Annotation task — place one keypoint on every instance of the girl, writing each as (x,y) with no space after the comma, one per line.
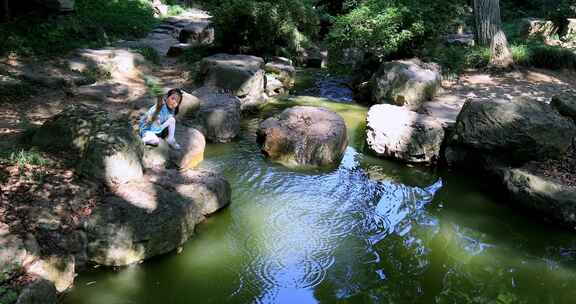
(161,117)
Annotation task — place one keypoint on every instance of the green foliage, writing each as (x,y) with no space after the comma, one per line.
(266,27)
(390,28)
(154,87)
(149,54)
(455,59)
(175,10)
(544,56)
(94,23)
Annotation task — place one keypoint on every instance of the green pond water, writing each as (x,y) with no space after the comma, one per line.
(368,231)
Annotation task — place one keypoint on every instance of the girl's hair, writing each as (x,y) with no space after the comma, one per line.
(162,98)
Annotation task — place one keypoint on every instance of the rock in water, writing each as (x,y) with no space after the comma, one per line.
(217,116)
(513,132)
(240,75)
(273,86)
(304,136)
(283,70)
(396,132)
(148,218)
(188,157)
(102,145)
(406,83)
(550,199)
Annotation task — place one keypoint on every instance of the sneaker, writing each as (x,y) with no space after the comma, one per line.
(174,145)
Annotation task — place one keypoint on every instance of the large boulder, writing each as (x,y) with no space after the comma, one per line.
(38,292)
(304,135)
(283,70)
(147,218)
(189,156)
(514,132)
(102,145)
(239,75)
(548,198)
(565,104)
(217,115)
(197,33)
(406,83)
(396,132)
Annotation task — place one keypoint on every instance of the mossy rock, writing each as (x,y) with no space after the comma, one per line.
(102,145)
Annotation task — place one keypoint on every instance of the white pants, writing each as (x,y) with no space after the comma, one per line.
(151,138)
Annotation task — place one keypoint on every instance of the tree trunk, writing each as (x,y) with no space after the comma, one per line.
(487,20)
(489,32)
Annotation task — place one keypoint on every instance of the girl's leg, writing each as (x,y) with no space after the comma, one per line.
(170,123)
(150,138)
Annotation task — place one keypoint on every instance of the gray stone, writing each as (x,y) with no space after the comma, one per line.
(197,33)
(148,218)
(178,49)
(217,116)
(274,86)
(398,133)
(406,83)
(38,292)
(303,135)
(514,132)
(549,198)
(565,104)
(283,70)
(56,269)
(103,146)
(464,39)
(240,75)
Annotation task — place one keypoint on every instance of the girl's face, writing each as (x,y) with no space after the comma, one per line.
(172,101)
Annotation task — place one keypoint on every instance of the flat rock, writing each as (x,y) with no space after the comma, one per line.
(545,196)
(147,218)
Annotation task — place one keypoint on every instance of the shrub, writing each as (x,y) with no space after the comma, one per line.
(267,27)
(94,23)
(392,28)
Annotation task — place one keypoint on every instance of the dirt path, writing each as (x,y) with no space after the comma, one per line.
(533,83)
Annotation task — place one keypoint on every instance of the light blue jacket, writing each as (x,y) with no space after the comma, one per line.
(155,126)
